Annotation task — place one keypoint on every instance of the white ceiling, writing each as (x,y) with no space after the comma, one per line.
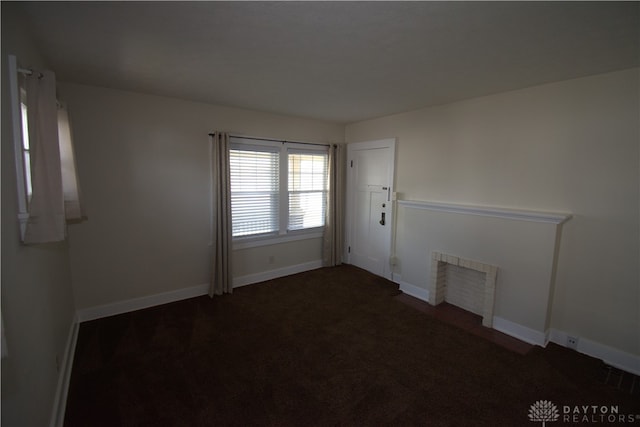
(335,61)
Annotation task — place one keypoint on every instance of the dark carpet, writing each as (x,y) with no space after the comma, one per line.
(327,347)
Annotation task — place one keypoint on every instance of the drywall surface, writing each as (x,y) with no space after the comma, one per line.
(570,146)
(37,300)
(143,164)
(252,261)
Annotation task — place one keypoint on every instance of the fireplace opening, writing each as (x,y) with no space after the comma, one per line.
(465,283)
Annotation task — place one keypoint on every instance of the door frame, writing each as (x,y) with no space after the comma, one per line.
(349,209)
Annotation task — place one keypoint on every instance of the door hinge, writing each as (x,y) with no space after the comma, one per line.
(349,249)
(351,163)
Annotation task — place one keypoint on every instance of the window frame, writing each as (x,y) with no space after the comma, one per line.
(282,235)
(26,145)
(18,144)
(264,149)
(306,151)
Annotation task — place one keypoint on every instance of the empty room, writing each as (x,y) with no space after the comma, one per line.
(320,213)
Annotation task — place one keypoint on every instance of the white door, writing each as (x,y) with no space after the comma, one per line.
(369,205)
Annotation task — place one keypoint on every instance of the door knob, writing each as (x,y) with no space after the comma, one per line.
(382,221)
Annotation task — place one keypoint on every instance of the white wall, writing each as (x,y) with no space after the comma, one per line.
(570,146)
(37,300)
(143,164)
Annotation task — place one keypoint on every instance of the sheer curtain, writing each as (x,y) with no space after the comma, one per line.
(70,186)
(46,221)
(334,231)
(51,166)
(221,278)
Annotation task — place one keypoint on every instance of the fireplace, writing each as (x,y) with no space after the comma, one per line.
(522,244)
(468,284)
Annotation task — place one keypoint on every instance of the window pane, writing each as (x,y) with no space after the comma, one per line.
(254,192)
(27,173)
(306,210)
(307,190)
(26,155)
(307,172)
(25,126)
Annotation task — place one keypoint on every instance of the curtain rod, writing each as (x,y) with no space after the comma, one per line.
(284,141)
(28,72)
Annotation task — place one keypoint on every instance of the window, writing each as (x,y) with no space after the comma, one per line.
(26,152)
(22,149)
(255,191)
(49,204)
(307,190)
(276,187)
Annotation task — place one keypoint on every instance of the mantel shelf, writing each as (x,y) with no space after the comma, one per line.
(490,211)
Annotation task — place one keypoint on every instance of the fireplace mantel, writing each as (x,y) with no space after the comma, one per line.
(522,243)
(491,211)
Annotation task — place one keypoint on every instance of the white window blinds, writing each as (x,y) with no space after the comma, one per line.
(307,182)
(254,190)
(277,187)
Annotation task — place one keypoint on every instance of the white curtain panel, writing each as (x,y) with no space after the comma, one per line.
(46,221)
(334,220)
(70,186)
(221,278)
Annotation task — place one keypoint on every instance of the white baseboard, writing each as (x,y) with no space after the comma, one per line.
(614,357)
(120,307)
(611,356)
(505,326)
(516,330)
(274,274)
(64,377)
(409,289)
(617,358)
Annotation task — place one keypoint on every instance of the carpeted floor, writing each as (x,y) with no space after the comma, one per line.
(327,347)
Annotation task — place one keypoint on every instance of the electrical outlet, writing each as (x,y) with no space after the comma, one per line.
(572,342)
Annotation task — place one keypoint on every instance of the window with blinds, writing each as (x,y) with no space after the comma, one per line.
(255,191)
(307,189)
(276,187)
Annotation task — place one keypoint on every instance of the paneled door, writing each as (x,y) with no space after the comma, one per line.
(370,174)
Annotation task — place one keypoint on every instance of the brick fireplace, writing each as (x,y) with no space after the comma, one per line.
(468,284)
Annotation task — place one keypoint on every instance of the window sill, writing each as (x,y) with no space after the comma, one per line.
(23,217)
(274,240)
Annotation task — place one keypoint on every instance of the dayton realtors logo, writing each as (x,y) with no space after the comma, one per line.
(545,411)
